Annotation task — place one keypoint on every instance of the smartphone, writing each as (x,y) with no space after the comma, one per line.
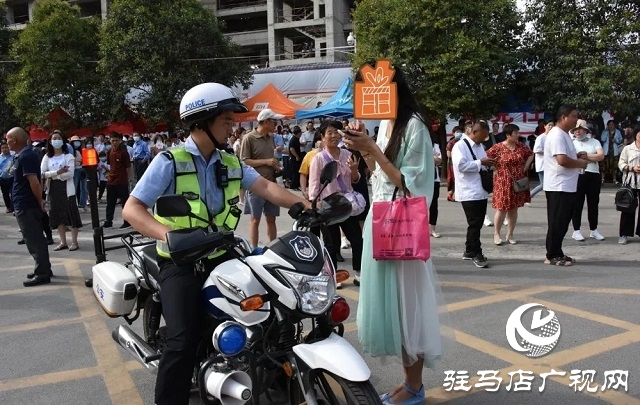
(348,132)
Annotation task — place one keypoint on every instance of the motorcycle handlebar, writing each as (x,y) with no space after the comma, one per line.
(189,245)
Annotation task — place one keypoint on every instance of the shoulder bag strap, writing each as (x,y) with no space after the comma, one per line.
(329,159)
(473,155)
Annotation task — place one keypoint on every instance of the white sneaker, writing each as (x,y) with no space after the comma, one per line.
(623,240)
(487,221)
(345,243)
(577,235)
(506,222)
(596,235)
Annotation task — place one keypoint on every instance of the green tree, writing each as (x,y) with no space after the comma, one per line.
(586,53)
(158,50)
(459,54)
(56,54)
(8,118)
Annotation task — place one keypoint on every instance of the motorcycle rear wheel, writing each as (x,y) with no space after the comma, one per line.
(333,390)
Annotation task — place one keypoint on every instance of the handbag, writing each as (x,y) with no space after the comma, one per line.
(521,185)
(400,228)
(486,176)
(625,198)
(358,203)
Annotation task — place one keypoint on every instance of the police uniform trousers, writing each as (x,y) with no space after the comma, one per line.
(183,310)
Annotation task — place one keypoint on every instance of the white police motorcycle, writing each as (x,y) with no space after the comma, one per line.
(254,343)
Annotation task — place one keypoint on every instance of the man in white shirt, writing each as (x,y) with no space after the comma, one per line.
(538,149)
(306,140)
(562,167)
(469,157)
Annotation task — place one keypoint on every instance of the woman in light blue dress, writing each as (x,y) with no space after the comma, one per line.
(398,311)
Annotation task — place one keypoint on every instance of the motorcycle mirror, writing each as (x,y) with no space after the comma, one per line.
(173,205)
(329,172)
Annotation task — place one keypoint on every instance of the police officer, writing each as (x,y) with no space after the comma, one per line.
(203,170)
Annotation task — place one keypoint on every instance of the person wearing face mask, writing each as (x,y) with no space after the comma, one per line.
(202,168)
(457,135)
(57,168)
(589,181)
(79,176)
(141,155)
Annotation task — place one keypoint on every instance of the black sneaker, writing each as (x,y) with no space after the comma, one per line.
(480,261)
(125,225)
(107,225)
(22,241)
(468,256)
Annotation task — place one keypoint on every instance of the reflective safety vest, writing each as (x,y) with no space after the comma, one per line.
(186,184)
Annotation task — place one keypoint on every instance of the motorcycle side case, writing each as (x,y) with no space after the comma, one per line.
(115,287)
(227,285)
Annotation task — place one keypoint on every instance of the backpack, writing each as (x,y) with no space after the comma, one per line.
(625,199)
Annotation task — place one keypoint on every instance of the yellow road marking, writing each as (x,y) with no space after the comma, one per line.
(50,378)
(495,298)
(39,325)
(50,287)
(25,267)
(606,320)
(120,385)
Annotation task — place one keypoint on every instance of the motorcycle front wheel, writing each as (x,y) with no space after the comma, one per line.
(333,390)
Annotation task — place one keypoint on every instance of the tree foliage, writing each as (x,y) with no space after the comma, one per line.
(460,55)
(586,53)
(8,118)
(56,54)
(161,49)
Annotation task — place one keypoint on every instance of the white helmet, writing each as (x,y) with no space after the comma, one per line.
(207,100)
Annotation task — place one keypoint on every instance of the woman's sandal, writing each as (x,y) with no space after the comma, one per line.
(416,399)
(74,246)
(60,247)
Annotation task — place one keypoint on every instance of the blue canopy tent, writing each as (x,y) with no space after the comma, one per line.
(339,106)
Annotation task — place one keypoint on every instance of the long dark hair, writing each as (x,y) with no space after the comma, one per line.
(64,149)
(408,106)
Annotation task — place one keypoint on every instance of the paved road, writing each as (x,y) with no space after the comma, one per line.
(57,348)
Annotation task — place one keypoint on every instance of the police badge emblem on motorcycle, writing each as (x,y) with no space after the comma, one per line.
(303,248)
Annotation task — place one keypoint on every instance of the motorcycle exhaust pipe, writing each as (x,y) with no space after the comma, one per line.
(135,345)
(232,388)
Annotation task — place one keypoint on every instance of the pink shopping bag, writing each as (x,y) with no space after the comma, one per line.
(401,228)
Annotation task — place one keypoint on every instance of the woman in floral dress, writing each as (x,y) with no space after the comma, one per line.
(399,313)
(513,161)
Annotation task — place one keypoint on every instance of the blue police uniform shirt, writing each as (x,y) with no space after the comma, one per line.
(26,162)
(158,179)
(141,150)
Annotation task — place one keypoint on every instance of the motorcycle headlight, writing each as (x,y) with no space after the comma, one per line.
(315,293)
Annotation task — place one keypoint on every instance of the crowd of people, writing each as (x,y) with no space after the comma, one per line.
(571,162)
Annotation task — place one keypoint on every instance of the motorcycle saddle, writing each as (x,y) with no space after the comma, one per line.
(150,256)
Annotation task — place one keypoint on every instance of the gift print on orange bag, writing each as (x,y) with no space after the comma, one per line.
(376,96)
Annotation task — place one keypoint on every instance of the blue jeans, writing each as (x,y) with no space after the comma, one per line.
(539,186)
(80,182)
